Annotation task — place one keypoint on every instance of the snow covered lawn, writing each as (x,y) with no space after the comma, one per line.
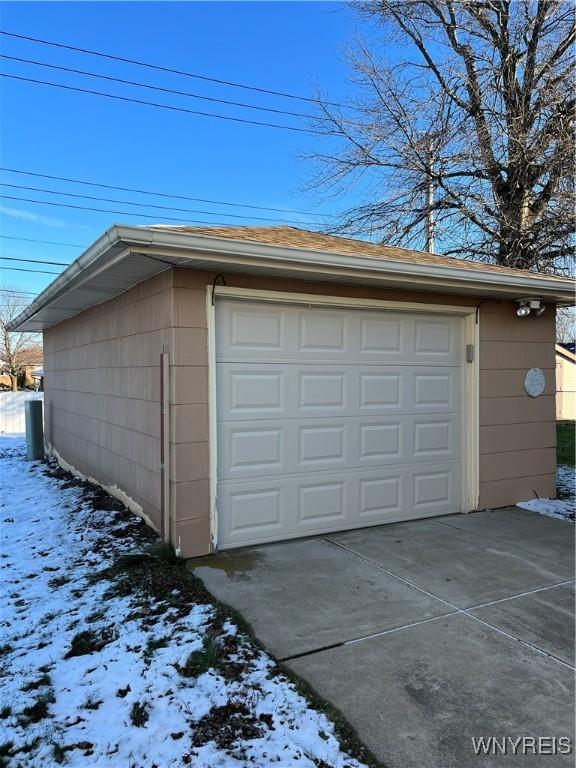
(121,660)
(564,506)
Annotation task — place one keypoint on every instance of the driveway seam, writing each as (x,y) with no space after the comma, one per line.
(366,637)
(520,594)
(519,640)
(391,573)
(451,605)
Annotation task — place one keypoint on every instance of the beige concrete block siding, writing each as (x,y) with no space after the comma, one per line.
(106,422)
(102,410)
(517,432)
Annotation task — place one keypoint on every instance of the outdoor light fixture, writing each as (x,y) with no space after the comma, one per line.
(525,306)
(523,310)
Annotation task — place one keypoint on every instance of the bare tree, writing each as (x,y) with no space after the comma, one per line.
(469,138)
(565,325)
(17,350)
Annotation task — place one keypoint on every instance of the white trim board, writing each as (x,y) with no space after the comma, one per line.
(212,420)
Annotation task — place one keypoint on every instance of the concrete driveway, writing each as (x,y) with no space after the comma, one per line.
(423,634)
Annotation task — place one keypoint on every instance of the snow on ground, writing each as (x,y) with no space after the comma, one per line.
(97,671)
(564,506)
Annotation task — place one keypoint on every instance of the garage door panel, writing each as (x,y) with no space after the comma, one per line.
(380,497)
(435,338)
(255,450)
(245,331)
(381,441)
(287,447)
(263,390)
(252,514)
(382,336)
(253,392)
(435,489)
(321,391)
(305,505)
(331,419)
(321,502)
(296,333)
(323,332)
(434,389)
(322,444)
(383,390)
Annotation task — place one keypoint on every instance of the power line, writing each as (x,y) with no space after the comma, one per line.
(173,91)
(161,194)
(142,205)
(34,271)
(18,293)
(107,210)
(37,261)
(44,242)
(165,106)
(172,70)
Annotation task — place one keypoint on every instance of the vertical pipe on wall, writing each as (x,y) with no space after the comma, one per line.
(165,444)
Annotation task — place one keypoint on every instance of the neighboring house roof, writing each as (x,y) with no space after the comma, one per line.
(565,353)
(125,255)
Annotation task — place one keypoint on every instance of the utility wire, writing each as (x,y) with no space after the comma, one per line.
(161,68)
(37,261)
(165,106)
(137,84)
(18,293)
(107,210)
(143,205)
(44,242)
(34,271)
(161,194)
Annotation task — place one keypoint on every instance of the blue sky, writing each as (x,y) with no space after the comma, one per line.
(281,46)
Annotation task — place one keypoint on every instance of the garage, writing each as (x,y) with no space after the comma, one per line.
(332,418)
(243,385)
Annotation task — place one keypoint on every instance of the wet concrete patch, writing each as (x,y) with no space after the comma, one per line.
(237,564)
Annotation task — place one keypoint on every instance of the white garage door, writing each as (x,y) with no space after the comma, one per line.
(334,418)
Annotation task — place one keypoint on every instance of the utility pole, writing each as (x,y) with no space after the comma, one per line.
(430,223)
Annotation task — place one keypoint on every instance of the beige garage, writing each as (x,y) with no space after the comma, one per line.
(235,385)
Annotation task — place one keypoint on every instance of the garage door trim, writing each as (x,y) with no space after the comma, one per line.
(470,479)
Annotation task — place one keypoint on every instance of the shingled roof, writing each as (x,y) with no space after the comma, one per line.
(293,237)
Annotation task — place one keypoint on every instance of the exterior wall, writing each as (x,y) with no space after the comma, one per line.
(565,389)
(102,388)
(517,432)
(102,381)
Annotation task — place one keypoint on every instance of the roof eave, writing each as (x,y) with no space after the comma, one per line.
(120,241)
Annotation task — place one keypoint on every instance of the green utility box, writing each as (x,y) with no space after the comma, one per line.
(34,429)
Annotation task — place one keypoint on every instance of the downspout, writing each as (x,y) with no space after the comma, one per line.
(165,444)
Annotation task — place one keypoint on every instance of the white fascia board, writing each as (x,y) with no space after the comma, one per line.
(305,258)
(116,243)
